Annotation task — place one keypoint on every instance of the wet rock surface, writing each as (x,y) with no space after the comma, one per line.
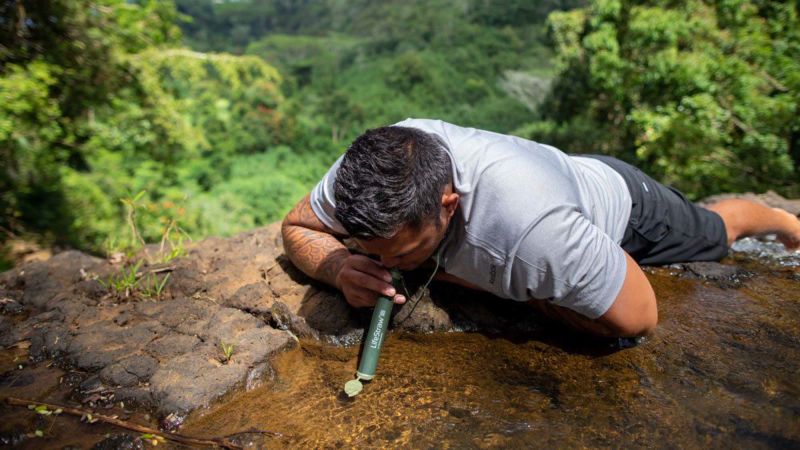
(164,354)
(120,442)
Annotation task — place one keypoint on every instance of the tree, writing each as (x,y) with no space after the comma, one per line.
(704,96)
(59,60)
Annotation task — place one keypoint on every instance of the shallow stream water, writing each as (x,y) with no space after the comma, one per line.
(722,370)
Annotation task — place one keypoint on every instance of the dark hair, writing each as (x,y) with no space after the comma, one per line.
(390,177)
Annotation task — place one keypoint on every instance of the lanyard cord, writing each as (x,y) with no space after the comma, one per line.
(420,291)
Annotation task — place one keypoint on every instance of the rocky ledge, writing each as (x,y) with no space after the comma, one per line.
(166,351)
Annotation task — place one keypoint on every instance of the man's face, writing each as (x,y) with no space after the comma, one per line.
(410,246)
(407,249)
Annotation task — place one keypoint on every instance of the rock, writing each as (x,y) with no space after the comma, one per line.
(8,335)
(255,345)
(172,345)
(121,441)
(14,438)
(130,371)
(186,279)
(44,280)
(422,316)
(91,385)
(49,342)
(10,306)
(724,276)
(195,379)
(171,421)
(255,298)
(327,312)
(116,375)
(91,289)
(142,366)
(283,318)
(103,343)
(189,382)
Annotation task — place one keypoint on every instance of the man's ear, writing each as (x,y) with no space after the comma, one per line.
(450,202)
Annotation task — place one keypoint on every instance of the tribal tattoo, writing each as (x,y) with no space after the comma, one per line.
(312,246)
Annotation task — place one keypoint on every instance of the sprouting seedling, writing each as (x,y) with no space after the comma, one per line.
(43,410)
(123,282)
(131,204)
(153,439)
(154,288)
(176,248)
(227,351)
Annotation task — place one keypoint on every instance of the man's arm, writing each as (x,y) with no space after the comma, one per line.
(315,249)
(312,246)
(633,313)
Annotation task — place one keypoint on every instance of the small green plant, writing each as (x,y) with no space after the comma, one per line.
(88,418)
(43,410)
(227,351)
(131,205)
(176,248)
(153,439)
(153,287)
(123,282)
(170,247)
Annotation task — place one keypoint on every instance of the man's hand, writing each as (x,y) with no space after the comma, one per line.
(362,280)
(315,249)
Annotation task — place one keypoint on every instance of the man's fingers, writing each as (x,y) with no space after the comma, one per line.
(362,280)
(369,282)
(372,267)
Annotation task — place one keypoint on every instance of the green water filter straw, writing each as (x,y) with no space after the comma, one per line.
(374,341)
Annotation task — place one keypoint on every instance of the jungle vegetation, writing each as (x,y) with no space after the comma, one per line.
(206,117)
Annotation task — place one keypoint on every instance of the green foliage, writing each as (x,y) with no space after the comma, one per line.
(368,64)
(102,104)
(152,287)
(59,60)
(124,282)
(704,96)
(227,351)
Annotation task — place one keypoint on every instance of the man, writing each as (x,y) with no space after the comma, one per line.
(519,219)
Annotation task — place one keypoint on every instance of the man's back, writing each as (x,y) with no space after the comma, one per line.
(532,221)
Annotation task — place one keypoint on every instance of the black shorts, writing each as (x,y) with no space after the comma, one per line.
(664,226)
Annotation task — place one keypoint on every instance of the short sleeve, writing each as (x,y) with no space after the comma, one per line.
(322,199)
(563,257)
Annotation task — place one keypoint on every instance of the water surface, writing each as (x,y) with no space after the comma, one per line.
(721,370)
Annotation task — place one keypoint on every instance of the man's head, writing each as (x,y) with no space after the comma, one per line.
(394,187)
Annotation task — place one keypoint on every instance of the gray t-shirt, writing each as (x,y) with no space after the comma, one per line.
(532,221)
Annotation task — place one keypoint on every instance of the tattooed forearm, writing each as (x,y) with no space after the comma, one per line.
(311,246)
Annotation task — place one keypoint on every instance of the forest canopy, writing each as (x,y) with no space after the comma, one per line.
(205,117)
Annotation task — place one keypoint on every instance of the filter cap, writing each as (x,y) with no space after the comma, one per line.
(353,387)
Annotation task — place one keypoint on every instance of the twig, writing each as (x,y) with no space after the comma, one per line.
(214,442)
(162,269)
(164,237)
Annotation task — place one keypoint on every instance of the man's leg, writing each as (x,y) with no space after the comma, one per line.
(745,218)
